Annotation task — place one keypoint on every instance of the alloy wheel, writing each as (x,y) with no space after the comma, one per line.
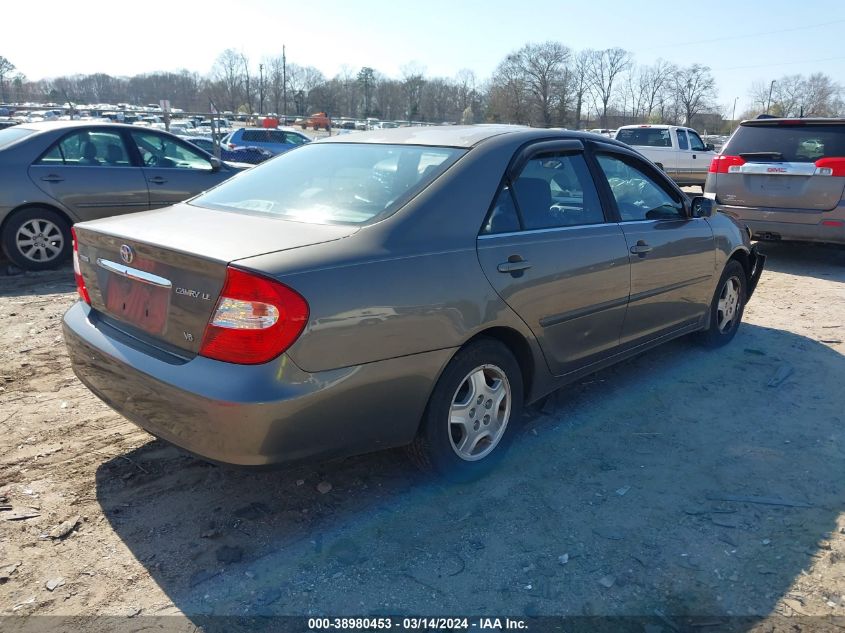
(479,412)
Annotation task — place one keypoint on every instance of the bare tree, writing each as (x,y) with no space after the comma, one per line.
(508,92)
(6,69)
(822,97)
(604,68)
(657,82)
(695,89)
(413,80)
(543,66)
(228,77)
(581,82)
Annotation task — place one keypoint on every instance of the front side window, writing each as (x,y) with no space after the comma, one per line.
(682,140)
(638,196)
(158,150)
(333,183)
(87,148)
(696,144)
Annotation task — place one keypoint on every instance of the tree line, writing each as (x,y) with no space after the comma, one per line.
(543,84)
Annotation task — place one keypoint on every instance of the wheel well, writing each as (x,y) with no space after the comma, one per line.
(742,257)
(518,346)
(35,205)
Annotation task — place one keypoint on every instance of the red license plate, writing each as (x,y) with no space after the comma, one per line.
(143,305)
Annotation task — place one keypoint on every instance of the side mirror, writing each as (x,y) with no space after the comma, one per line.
(701,207)
(710,147)
(216,163)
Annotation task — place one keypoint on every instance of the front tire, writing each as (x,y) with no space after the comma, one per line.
(37,239)
(468,423)
(727,307)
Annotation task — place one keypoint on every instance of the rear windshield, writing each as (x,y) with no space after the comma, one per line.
(648,137)
(794,143)
(333,183)
(12,134)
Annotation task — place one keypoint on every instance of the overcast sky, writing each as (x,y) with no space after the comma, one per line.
(742,42)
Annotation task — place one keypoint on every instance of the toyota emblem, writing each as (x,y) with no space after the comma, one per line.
(126,253)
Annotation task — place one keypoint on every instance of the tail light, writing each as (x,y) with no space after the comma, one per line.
(830,167)
(231,146)
(256,319)
(77,273)
(726,164)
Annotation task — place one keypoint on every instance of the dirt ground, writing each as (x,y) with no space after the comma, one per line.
(682,484)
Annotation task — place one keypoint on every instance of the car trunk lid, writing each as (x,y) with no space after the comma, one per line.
(157,275)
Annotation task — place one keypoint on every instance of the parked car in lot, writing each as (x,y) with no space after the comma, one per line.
(58,173)
(273,140)
(679,151)
(317,121)
(404,287)
(251,155)
(784,179)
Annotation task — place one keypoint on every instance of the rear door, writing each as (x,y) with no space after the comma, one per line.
(785,172)
(174,170)
(90,172)
(551,253)
(672,255)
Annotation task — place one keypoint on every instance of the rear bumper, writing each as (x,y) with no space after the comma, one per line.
(829,228)
(253,415)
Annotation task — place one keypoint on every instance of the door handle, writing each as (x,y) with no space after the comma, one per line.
(641,248)
(693,155)
(52,178)
(514,264)
(158,180)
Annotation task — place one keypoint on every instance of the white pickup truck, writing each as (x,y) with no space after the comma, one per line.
(679,151)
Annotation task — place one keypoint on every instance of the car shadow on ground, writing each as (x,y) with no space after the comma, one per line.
(22,283)
(823,261)
(679,483)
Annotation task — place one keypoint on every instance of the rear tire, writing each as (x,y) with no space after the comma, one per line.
(727,307)
(37,238)
(468,423)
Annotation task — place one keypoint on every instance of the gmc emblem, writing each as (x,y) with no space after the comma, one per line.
(776,170)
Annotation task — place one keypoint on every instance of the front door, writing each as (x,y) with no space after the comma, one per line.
(672,255)
(174,171)
(552,255)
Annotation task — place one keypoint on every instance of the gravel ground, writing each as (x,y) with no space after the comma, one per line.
(681,484)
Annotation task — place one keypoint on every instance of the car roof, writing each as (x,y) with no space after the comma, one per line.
(464,136)
(794,121)
(283,128)
(656,126)
(48,126)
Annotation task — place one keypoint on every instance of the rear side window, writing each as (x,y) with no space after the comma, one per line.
(789,143)
(255,136)
(648,137)
(551,191)
(88,149)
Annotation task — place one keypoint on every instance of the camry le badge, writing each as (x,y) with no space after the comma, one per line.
(126,253)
